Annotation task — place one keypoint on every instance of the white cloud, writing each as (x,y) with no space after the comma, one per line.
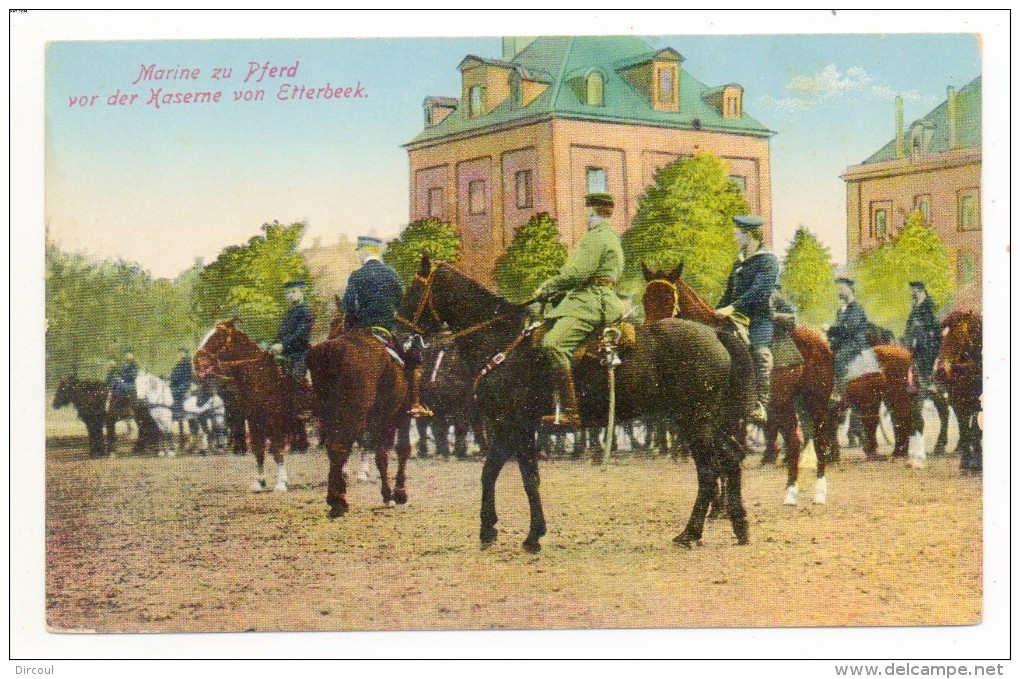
(830,83)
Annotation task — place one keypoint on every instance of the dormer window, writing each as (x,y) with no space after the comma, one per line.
(666,85)
(732,107)
(594,86)
(475,101)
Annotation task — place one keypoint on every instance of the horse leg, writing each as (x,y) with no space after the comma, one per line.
(702,452)
(732,473)
(441,430)
(868,414)
(942,408)
(336,482)
(258,446)
(277,448)
(498,456)
(382,462)
(403,453)
(787,421)
(422,425)
(460,430)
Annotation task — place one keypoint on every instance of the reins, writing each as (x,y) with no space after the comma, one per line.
(215,360)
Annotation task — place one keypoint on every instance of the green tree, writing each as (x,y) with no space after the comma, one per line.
(247,280)
(96,310)
(686,216)
(808,279)
(438,239)
(535,255)
(883,274)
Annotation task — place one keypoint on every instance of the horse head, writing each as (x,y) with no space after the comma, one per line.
(65,391)
(961,341)
(224,344)
(661,293)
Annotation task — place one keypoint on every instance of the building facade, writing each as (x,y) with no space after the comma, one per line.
(933,166)
(559,117)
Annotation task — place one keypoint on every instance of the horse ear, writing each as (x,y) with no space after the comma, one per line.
(675,274)
(646,271)
(425,266)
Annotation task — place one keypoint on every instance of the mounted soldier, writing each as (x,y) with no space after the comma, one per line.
(180,383)
(373,294)
(295,334)
(747,300)
(585,290)
(924,333)
(848,337)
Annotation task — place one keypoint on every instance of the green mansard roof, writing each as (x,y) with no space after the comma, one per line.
(566,61)
(968,125)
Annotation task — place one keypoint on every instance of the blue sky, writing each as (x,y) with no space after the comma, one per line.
(162,187)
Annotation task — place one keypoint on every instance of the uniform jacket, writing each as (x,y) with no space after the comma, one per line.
(180,376)
(924,334)
(749,289)
(598,255)
(848,336)
(296,331)
(373,295)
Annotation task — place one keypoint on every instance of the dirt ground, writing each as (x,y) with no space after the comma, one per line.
(146,544)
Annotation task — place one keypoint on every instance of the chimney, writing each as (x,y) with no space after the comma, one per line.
(951,114)
(899,126)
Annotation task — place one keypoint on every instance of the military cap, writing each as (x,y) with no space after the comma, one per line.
(294,284)
(748,222)
(917,284)
(845,281)
(370,242)
(599,200)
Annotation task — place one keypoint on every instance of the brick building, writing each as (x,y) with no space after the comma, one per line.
(934,166)
(558,117)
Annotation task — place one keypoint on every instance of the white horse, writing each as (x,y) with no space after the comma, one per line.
(154,394)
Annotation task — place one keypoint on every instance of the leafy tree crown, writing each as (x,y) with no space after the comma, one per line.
(535,255)
(438,239)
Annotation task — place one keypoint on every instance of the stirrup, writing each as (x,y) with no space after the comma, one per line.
(419,410)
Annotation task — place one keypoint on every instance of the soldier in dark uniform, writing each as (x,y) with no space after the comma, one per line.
(924,333)
(848,336)
(128,373)
(294,336)
(748,299)
(180,383)
(371,300)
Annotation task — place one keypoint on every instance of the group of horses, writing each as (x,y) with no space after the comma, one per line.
(685,373)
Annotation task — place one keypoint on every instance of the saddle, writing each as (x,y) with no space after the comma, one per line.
(591,347)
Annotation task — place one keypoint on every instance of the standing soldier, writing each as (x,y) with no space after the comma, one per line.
(180,383)
(371,300)
(748,299)
(294,336)
(587,283)
(923,336)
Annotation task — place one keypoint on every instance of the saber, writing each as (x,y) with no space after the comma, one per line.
(610,337)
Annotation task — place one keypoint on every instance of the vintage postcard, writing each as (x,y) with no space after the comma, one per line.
(600,329)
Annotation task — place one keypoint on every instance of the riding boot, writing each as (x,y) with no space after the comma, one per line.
(417,408)
(569,417)
(763,382)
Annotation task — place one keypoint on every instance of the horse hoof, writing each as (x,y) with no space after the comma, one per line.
(280,487)
(743,540)
(389,503)
(488,536)
(686,541)
(400,496)
(531,546)
(258,486)
(336,511)
(791,496)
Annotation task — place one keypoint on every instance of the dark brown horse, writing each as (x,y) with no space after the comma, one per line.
(363,396)
(667,295)
(267,395)
(91,400)
(678,369)
(959,369)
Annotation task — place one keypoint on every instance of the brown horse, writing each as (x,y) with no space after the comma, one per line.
(678,370)
(267,395)
(667,295)
(959,369)
(363,396)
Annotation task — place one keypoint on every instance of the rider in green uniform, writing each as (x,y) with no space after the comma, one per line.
(587,283)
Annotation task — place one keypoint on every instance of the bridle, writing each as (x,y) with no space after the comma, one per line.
(427,302)
(673,288)
(213,357)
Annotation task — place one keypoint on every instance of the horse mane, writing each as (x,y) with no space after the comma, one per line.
(477,294)
(702,311)
(955,317)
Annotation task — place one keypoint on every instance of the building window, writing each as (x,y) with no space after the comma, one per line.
(880,224)
(594,87)
(968,210)
(523,182)
(475,101)
(966,270)
(435,202)
(666,85)
(739,182)
(476,197)
(922,204)
(596,180)
(732,108)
